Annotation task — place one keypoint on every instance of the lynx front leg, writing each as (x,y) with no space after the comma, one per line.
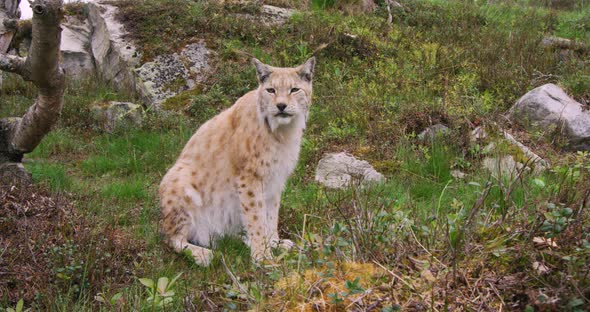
(254,217)
(272,213)
(175,226)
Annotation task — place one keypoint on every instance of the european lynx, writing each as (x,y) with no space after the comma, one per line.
(230,175)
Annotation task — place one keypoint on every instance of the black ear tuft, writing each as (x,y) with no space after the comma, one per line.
(306,70)
(262,70)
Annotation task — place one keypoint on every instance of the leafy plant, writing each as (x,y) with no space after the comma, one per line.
(160,293)
(18,308)
(111,302)
(557,218)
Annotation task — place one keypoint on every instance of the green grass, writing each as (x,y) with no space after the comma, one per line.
(455,62)
(55,175)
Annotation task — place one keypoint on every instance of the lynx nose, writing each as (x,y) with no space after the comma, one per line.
(281,106)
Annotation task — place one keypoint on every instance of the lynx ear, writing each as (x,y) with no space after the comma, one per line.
(306,70)
(262,70)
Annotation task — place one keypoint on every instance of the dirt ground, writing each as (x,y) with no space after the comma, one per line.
(46,247)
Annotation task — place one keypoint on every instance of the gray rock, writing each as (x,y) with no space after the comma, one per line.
(503,166)
(433,132)
(269,15)
(114,54)
(77,58)
(339,170)
(548,107)
(113,115)
(14,174)
(562,43)
(272,15)
(478,134)
(169,75)
(458,174)
(533,160)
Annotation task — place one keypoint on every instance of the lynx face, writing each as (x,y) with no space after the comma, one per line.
(284,93)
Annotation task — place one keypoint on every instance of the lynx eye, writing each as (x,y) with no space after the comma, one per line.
(270,90)
(293,90)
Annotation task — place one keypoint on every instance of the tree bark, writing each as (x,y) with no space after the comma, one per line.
(21,135)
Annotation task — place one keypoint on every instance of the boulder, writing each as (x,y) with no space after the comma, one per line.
(117,61)
(562,43)
(272,15)
(458,174)
(114,115)
(549,107)
(433,132)
(503,166)
(168,75)
(14,174)
(478,134)
(77,58)
(269,15)
(533,160)
(115,56)
(506,165)
(339,170)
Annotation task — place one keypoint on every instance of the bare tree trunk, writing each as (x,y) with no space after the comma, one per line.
(21,135)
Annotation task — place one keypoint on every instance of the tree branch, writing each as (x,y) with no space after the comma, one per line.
(41,67)
(46,73)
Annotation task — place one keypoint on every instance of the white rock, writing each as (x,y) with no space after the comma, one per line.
(77,58)
(339,170)
(549,107)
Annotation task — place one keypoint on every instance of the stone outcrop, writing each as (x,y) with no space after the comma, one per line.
(272,15)
(114,55)
(339,170)
(169,75)
(77,59)
(549,108)
(117,61)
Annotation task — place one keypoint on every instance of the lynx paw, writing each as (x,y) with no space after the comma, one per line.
(202,256)
(261,255)
(282,243)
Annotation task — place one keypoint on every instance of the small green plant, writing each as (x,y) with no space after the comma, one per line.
(110,303)
(18,308)
(162,293)
(353,287)
(557,218)
(69,267)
